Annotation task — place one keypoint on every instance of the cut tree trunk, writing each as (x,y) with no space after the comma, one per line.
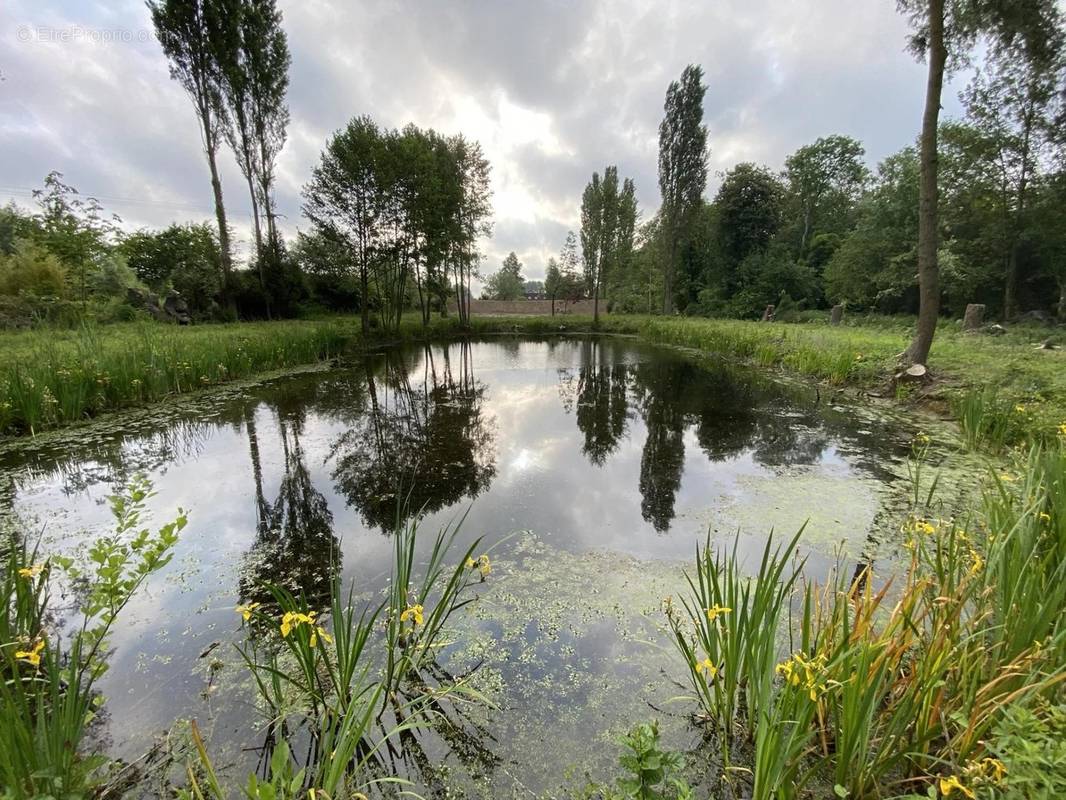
(974,317)
(836,316)
(768,314)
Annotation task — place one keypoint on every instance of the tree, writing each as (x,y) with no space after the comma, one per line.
(825,180)
(471,220)
(682,168)
(875,264)
(265,57)
(185,257)
(750,208)
(508,283)
(184,29)
(940,25)
(599,225)
(344,199)
(553,281)
(74,229)
(1009,104)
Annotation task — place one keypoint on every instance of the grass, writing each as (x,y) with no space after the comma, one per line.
(52,378)
(899,690)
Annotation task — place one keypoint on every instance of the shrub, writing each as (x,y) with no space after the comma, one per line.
(32,270)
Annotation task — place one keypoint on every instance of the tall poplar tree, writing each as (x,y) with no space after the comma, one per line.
(682,168)
(187,31)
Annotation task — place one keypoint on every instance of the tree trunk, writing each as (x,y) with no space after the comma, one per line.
(1062,299)
(211,149)
(364,300)
(928,270)
(596,303)
(668,279)
(836,315)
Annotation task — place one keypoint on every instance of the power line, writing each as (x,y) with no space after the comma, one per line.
(22,191)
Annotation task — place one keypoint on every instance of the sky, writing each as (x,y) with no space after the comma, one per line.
(552,89)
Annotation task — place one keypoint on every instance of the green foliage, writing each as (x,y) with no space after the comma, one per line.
(972,640)
(726,631)
(32,270)
(682,170)
(507,283)
(651,770)
(47,694)
(409,206)
(1031,744)
(183,257)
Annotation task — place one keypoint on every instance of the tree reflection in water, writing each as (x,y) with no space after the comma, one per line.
(422,440)
(295,547)
(730,413)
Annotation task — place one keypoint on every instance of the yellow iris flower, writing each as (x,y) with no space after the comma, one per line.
(951,783)
(412,613)
(716,611)
(33,655)
(707,666)
(994,768)
(246,611)
(292,619)
(31,572)
(320,632)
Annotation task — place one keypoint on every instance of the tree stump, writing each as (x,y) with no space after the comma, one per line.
(836,315)
(916,373)
(768,314)
(974,317)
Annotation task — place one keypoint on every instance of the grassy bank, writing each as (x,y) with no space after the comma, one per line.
(999,387)
(1003,386)
(50,378)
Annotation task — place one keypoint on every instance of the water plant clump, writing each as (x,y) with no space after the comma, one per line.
(896,684)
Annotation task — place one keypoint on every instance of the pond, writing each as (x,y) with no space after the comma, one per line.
(592,467)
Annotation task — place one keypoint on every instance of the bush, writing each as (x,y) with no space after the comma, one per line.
(32,270)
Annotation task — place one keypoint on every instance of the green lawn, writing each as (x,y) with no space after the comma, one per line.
(54,377)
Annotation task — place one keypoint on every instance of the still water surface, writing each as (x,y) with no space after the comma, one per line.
(598,463)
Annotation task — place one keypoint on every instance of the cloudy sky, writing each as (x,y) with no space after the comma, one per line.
(553,89)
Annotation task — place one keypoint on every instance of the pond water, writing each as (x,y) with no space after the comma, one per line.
(596,464)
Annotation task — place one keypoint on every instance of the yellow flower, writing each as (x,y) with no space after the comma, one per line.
(33,655)
(977,564)
(293,619)
(950,784)
(246,611)
(921,438)
(1062,429)
(1020,408)
(707,666)
(470,563)
(484,565)
(1045,517)
(716,611)
(994,769)
(319,631)
(31,572)
(1007,477)
(413,613)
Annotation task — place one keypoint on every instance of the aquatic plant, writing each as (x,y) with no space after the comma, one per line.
(903,685)
(47,682)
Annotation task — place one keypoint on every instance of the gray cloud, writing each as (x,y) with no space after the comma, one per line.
(553,90)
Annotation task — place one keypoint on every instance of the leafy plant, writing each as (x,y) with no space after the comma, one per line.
(47,694)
